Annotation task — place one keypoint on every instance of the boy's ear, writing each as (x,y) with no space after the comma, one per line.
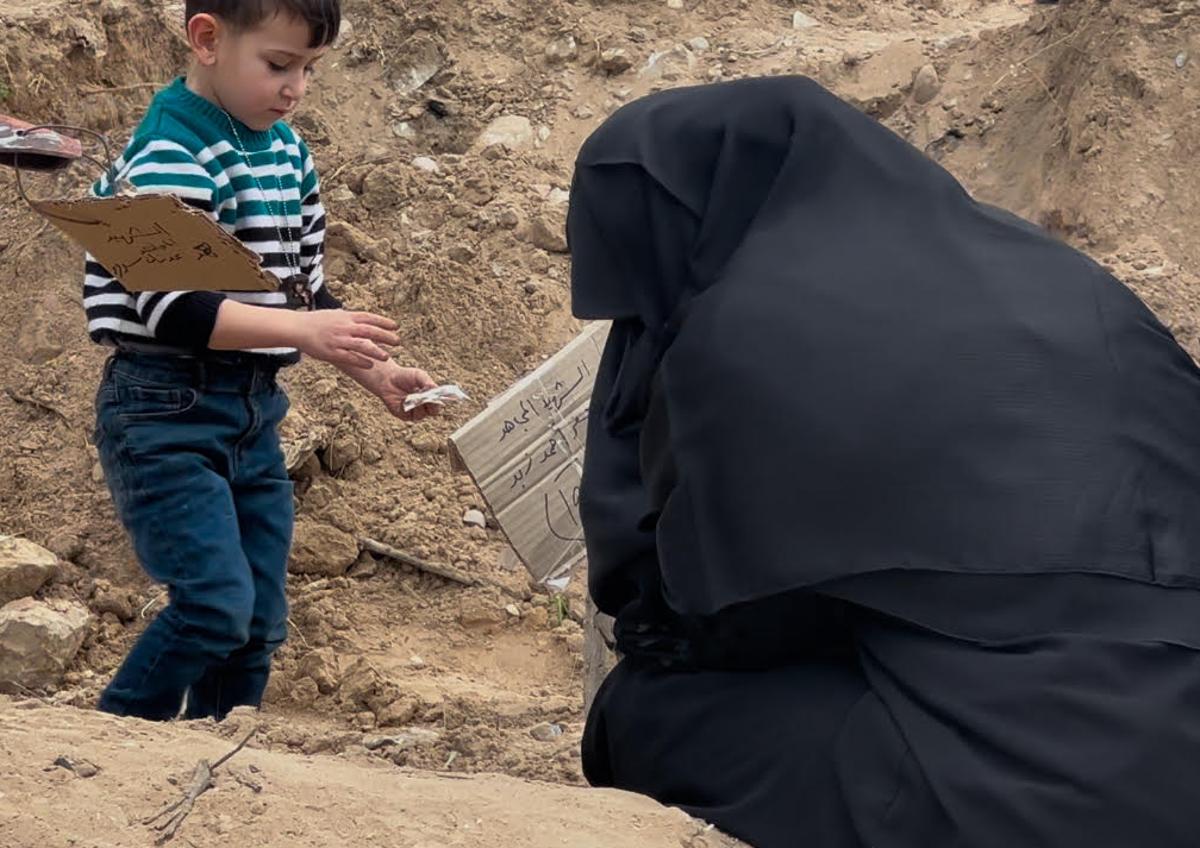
(204,31)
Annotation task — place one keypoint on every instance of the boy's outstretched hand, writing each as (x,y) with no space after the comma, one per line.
(392,383)
(346,339)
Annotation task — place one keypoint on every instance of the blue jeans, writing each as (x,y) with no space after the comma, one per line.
(190,449)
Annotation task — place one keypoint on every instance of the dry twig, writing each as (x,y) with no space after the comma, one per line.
(443,571)
(91,91)
(29,400)
(173,814)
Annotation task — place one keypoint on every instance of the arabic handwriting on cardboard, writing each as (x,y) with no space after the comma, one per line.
(135,234)
(561,507)
(557,447)
(551,401)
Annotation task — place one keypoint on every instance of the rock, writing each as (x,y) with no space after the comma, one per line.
(404,130)
(463,254)
(513,132)
(424,163)
(674,4)
(363,687)
(345,33)
(38,640)
(546,732)
(508,219)
(474,518)
(82,768)
(344,452)
(410,737)
(321,549)
(24,568)
(426,442)
(348,238)
(926,84)
(699,44)
(513,611)
(364,567)
(477,612)
(321,667)
(479,189)
(803,21)
(114,601)
(548,229)
(615,60)
(401,711)
(562,49)
(64,544)
(341,194)
(424,60)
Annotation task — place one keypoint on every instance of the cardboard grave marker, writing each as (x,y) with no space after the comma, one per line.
(157,243)
(525,453)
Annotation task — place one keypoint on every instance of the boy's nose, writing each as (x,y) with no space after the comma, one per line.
(294,90)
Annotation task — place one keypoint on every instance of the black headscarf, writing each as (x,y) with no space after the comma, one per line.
(863,368)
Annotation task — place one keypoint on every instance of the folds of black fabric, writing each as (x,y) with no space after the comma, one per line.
(921,411)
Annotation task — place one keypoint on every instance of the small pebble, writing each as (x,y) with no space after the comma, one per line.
(546,732)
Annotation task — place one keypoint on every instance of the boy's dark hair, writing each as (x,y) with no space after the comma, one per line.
(324,17)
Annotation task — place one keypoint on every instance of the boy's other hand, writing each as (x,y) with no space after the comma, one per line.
(346,339)
(394,383)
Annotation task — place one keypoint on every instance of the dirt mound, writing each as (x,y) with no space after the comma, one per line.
(73,777)
(1075,120)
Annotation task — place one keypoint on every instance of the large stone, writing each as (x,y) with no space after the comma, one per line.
(321,549)
(802,21)
(926,84)
(347,238)
(38,640)
(423,61)
(615,60)
(514,132)
(24,568)
(321,666)
(548,229)
(562,49)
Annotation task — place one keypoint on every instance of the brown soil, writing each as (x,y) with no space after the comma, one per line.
(112,775)
(1071,115)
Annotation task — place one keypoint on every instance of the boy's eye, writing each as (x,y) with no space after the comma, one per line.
(275,66)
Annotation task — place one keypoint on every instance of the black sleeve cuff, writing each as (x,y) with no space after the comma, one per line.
(324,300)
(189,321)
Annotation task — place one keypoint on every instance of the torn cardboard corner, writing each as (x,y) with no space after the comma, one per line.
(525,453)
(156,243)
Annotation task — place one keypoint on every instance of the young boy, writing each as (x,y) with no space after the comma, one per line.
(188,407)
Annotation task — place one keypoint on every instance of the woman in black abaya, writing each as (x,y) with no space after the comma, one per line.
(895,499)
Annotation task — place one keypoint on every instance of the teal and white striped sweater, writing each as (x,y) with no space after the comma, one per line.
(185,146)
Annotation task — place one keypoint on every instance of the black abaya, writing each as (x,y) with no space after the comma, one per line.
(930,577)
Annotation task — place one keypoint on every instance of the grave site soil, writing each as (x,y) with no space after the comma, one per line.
(407,709)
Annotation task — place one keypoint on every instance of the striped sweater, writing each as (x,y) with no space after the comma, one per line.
(185,146)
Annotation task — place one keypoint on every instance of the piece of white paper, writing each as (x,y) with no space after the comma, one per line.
(435,397)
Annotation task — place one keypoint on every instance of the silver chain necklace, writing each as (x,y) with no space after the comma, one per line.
(297,287)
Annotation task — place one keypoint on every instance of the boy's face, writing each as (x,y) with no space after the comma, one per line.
(260,75)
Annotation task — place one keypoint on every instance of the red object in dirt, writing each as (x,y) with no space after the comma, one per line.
(35,148)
